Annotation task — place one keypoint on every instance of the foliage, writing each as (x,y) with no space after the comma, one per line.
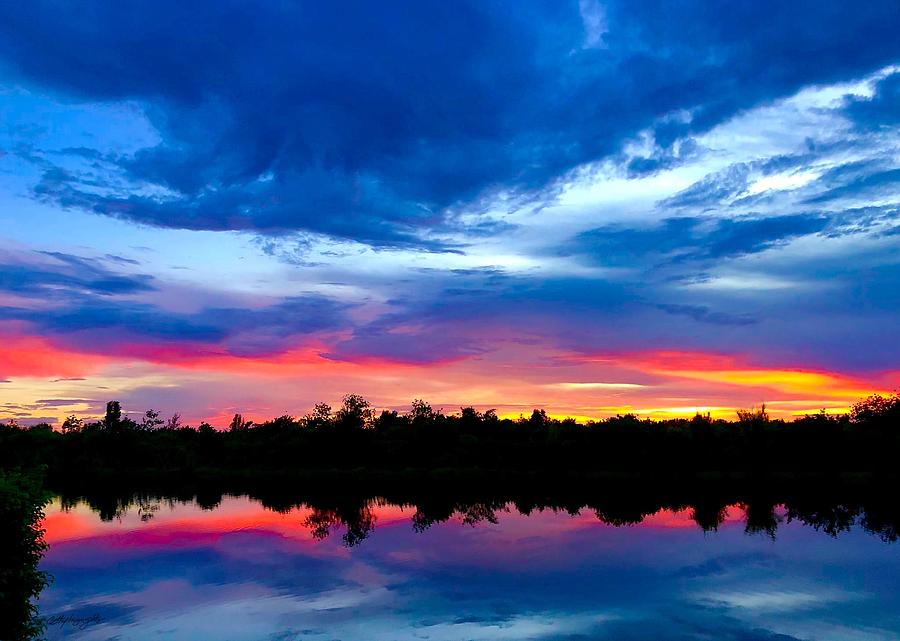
(21,511)
(876,409)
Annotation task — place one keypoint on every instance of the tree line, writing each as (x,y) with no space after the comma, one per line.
(355,437)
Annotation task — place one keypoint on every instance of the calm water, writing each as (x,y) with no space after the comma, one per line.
(164,570)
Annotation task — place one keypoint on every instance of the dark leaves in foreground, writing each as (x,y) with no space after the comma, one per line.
(21,546)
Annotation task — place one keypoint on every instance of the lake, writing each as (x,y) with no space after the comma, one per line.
(236,570)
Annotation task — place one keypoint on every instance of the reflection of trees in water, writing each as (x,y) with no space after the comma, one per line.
(622,510)
(428,514)
(883,520)
(709,515)
(830,519)
(472,513)
(358,521)
(476,513)
(831,512)
(116,508)
(21,547)
(761,517)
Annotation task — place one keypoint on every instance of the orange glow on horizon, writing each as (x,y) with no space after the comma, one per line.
(512,379)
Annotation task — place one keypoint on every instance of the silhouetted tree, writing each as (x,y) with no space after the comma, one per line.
(150,420)
(469,415)
(72,424)
(877,409)
(113,418)
(319,417)
(283,422)
(355,412)
(390,419)
(753,415)
(238,424)
(421,411)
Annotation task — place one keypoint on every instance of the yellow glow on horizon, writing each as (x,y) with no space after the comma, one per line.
(789,381)
(640,412)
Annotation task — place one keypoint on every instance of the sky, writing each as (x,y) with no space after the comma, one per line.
(591,207)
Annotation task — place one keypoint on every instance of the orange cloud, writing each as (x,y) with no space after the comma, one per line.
(31,356)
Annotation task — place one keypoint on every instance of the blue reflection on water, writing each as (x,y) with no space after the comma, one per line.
(241,572)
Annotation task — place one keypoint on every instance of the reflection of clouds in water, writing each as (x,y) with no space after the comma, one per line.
(775,600)
(806,611)
(351,613)
(722,564)
(548,576)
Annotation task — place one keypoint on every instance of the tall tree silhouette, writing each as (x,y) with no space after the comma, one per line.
(113,418)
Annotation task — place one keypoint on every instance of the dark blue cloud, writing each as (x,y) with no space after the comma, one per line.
(882,109)
(367,121)
(737,236)
(96,309)
(617,245)
(471,312)
(76,274)
(864,185)
(431,343)
(664,158)
(116,322)
(704,314)
(105,327)
(694,238)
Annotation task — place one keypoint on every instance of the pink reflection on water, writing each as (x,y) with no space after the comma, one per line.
(170,524)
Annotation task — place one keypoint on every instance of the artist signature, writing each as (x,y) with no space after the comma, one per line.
(79,623)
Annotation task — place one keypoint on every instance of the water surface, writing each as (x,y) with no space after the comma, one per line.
(240,571)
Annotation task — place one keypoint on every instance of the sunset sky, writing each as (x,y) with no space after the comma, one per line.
(591,207)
